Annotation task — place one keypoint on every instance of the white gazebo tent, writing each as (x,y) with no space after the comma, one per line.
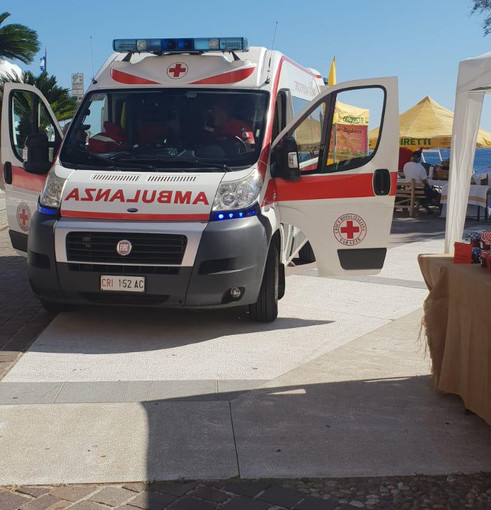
(473,82)
(7,68)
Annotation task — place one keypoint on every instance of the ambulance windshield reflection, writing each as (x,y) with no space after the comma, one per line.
(181,129)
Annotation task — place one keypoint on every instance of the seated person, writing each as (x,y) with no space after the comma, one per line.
(225,125)
(415,170)
(112,139)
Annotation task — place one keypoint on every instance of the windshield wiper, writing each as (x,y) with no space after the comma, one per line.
(222,166)
(107,162)
(179,163)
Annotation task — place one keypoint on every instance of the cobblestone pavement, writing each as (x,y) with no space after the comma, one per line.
(22,319)
(415,493)
(21,315)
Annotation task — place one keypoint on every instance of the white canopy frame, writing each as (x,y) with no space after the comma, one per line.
(473,82)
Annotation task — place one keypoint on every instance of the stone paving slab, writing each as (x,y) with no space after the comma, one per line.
(365,409)
(81,443)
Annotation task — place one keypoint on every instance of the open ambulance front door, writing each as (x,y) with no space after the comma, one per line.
(25,112)
(344,198)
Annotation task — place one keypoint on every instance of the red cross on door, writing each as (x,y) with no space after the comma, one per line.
(349,229)
(24,218)
(176,70)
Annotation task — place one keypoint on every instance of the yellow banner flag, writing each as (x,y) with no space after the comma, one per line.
(331,79)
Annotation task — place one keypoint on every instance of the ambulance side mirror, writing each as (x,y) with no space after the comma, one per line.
(37,161)
(286,159)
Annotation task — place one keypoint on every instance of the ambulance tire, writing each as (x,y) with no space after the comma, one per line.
(53,306)
(306,254)
(282,282)
(265,309)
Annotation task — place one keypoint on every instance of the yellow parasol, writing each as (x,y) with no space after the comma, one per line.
(427,124)
(308,133)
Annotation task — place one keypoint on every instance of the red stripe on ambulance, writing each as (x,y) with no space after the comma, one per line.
(322,187)
(130,79)
(22,179)
(231,77)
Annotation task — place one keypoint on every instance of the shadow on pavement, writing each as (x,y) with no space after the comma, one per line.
(112,330)
(374,427)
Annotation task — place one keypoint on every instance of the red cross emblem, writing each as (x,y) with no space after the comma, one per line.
(350,229)
(23,216)
(175,71)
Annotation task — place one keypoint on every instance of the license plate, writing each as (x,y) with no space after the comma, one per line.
(123,283)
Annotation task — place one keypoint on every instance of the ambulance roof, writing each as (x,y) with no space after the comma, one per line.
(251,69)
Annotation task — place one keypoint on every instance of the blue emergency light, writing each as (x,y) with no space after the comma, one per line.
(198,45)
(230,215)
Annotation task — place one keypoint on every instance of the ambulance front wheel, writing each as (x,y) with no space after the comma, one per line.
(265,309)
(53,306)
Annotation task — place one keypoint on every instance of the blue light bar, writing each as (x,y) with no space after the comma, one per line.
(47,210)
(230,215)
(182,45)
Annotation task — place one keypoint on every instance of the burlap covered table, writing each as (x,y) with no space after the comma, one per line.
(457,318)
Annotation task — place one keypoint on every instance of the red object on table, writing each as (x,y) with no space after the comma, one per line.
(463,253)
(486,237)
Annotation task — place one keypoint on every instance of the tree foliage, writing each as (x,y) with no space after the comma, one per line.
(17,42)
(63,105)
(483,7)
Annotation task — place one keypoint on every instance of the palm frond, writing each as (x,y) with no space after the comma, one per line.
(17,42)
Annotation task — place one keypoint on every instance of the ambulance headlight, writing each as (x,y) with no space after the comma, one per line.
(52,191)
(238,194)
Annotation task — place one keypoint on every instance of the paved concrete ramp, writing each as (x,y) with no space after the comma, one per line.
(115,442)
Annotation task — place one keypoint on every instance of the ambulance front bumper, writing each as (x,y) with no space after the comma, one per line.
(219,256)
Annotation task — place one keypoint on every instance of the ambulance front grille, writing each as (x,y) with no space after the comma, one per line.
(172,178)
(147,249)
(112,177)
(118,269)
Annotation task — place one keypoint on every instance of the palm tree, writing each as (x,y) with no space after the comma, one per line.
(63,105)
(17,42)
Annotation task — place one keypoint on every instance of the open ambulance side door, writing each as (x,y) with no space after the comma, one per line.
(339,193)
(25,112)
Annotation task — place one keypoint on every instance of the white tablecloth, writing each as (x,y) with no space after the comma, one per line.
(478,197)
(477,205)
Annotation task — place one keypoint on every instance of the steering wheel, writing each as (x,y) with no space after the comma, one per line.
(242,145)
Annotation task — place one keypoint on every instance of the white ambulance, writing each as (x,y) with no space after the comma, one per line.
(192,173)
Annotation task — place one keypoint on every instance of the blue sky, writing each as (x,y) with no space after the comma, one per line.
(421,42)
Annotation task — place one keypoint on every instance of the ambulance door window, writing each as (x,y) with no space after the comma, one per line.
(45,125)
(357,113)
(308,136)
(97,114)
(22,120)
(279,119)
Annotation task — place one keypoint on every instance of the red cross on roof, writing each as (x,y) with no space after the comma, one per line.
(177,70)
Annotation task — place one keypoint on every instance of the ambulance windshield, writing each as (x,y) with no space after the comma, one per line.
(172,129)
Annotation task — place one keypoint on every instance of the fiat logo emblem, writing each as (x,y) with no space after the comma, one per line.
(124,247)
